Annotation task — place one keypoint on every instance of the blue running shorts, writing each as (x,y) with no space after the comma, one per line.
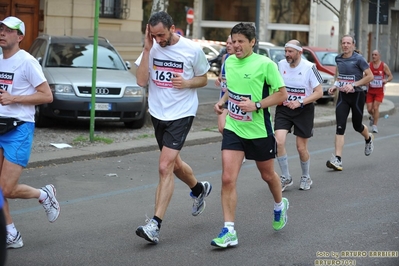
(17,144)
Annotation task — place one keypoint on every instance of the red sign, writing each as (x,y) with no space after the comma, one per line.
(190,16)
(332,31)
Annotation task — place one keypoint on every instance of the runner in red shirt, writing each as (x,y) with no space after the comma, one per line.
(375,94)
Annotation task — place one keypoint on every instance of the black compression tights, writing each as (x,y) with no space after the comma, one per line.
(346,102)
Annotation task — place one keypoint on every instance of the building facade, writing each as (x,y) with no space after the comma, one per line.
(123,22)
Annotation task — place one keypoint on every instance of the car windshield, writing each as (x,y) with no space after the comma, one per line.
(81,56)
(327,58)
(277,54)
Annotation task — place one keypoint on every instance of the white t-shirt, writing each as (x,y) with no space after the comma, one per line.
(20,75)
(185,58)
(301,80)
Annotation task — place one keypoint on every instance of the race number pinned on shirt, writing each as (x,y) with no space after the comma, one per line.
(6,80)
(343,80)
(162,72)
(295,94)
(235,111)
(377,82)
(223,85)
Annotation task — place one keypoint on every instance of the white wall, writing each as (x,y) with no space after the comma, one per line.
(321,22)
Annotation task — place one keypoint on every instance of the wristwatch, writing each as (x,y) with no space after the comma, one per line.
(300,100)
(258,106)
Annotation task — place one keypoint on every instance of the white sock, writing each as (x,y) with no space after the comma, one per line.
(11,229)
(305,168)
(230,226)
(283,163)
(278,206)
(43,195)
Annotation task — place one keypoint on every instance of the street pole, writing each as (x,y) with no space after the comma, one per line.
(94,73)
(377,25)
(357,21)
(257,15)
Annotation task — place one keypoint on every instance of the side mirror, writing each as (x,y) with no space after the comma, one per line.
(128,65)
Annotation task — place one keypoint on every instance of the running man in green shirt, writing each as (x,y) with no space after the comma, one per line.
(255,85)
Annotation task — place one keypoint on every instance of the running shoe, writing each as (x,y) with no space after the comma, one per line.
(225,239)
(371,121)
(281,217)
(374,129)
(368,149)
(306,182)
(50,204)
(334,163)
(285,182)
(199,202)
(14,241)
(149,232)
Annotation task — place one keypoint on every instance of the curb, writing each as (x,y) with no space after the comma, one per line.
(145,145)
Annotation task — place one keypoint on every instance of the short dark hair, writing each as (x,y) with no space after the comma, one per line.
(246,29)
(161,17)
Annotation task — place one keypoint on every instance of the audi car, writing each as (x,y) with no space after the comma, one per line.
(67,63)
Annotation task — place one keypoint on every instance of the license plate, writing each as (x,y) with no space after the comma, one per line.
(102,106)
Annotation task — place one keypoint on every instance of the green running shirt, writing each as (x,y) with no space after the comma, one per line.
(255,77)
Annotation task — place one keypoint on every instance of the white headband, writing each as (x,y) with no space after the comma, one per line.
(296,47)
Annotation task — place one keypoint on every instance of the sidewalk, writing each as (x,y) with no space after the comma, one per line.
(142,145)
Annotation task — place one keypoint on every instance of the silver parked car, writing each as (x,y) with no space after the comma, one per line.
(67,64)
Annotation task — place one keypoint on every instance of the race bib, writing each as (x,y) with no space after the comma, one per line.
(295,94)
(343,80)
(163,70)
(6,81)
(223,85)
(235,111)
(377,82)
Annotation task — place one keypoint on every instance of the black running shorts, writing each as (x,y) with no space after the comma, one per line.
(172,134)
(262,149)
(300,118)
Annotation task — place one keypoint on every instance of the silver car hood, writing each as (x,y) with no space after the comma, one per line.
(83,77)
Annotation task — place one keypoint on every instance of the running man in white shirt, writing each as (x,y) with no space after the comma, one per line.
(22,87)
(303,83)
(173,67)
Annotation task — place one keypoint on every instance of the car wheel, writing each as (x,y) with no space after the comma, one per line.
(137,124)
(40,119)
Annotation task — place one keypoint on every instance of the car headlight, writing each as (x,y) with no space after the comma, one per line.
(62,89)
(134,92)
(330,81)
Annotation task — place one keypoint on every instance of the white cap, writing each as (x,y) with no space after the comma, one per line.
(14,23)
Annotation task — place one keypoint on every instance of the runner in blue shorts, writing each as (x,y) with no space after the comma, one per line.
(22,87)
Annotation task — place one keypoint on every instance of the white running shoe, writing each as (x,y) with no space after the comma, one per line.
(368,149)
(285,182)
(371,121)
(199,202)
(306,182)
(149,232)
(374,129)
(50,204)
(14,241)
(334,163)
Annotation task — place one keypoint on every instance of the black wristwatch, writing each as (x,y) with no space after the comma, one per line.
(258,106)
(300,100)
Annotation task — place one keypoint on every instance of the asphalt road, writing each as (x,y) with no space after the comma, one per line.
(354,212)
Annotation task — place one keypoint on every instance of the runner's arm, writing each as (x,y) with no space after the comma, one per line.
(388,73)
